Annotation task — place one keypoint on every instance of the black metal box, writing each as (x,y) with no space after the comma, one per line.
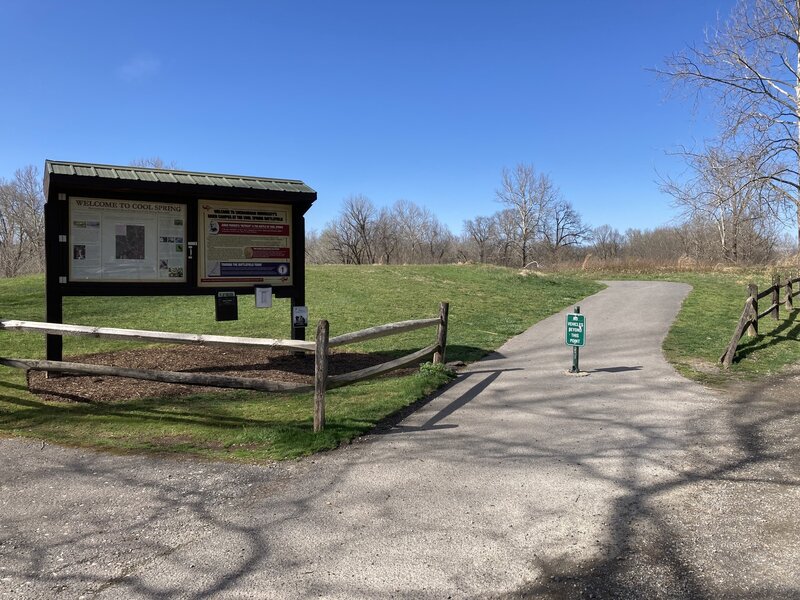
(227,306)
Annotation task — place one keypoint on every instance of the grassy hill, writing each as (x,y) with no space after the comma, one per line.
(487,306)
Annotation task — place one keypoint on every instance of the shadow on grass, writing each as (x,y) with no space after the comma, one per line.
(340,361)
(454,352)
(260,426)
(470,353)
(13,386)
(267,425)
(143,427)
(21,401)
(787,330)
(148,409)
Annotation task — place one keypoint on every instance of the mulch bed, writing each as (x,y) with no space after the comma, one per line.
(275,365)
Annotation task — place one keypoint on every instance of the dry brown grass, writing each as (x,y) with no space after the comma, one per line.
(592,264)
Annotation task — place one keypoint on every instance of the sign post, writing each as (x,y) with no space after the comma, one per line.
(575,336)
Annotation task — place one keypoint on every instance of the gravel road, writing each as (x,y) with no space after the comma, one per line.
(517,481)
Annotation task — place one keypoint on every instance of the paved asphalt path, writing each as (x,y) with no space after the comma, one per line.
(516,481)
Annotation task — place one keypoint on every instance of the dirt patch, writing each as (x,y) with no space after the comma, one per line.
(172,441)
(703,366)
(274,365)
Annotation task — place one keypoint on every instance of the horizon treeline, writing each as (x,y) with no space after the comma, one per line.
(534,226)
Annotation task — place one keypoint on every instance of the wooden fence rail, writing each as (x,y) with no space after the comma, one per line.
(322,382)
(113,333)
(748,322)
(320,347)
(382,331)
(205,379)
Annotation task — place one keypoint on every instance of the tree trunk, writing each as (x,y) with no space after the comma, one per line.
(798,223)
(797,116)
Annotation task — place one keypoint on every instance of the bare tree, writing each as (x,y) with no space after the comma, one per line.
(562,226)
(362,234)
(22,223)
(30,189)
(12,239)
(350,236)
(154,162)
(660,244)
(387,236)
(506,230)
(335,246)
(726,194)
(752,65)
(438,240)
(541,216)
(482,232)
(411,221)
(315,248)
(607,242)
(526,193)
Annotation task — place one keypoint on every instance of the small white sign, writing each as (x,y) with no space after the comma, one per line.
(263,297)
(300,316)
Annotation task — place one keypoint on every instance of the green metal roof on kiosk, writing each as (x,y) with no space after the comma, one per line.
(144,175)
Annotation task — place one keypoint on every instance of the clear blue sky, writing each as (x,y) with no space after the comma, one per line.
(425,101)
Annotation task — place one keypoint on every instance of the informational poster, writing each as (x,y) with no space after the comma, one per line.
(126,240)
(263,296)
(300,316)
(244,244)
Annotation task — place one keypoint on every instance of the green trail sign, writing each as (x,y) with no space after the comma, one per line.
(576,330)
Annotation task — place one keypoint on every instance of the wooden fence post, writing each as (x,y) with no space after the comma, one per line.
(776,296)
(320,375)
(747,315)
(441,333)
(788,305)
(752,292)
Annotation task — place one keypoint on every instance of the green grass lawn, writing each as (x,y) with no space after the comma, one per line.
(487,306)
(707,321)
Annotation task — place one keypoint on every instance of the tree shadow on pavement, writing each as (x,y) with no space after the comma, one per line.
(452,407)
(717,522)
(392,424)
(616,369)
(721,526)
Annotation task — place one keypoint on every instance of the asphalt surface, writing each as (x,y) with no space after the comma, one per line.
(517,481)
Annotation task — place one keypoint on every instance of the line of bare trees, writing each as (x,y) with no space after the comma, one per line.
(22,218)
(22,223)
(365,234)
(730,215)
(692,242)
(727,216)
(535,224)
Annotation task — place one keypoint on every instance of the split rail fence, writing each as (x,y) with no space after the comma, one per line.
(748,323)
(321,349)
